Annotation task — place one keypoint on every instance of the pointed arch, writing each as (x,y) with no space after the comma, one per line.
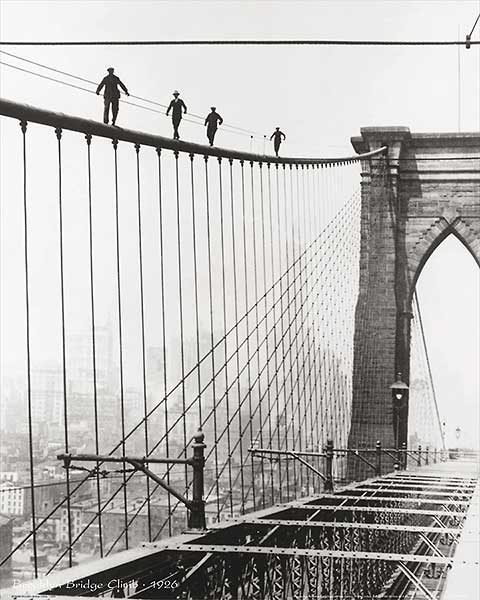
(433,237)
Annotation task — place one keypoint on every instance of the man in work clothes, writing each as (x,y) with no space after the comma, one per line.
(178,108)
(277,136)
(212,122)
(111,94)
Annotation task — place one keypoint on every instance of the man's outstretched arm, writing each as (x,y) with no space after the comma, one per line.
(100,86)
(122,85)
(168,109)
(184,107)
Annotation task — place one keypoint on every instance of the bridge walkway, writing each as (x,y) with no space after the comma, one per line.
(409,534)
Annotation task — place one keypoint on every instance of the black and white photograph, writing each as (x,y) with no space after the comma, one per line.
(240,299)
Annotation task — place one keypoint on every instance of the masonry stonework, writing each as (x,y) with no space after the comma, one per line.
(426,188)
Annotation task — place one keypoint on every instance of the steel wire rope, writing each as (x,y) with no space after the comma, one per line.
(180,310)
(195,290)
(230,128)
(23,125)
(117,445)
(224,324)
(174,509)
(238,42)
(208,384)
(283,384)
(286,353)
(308,236)
(247,321)
(142,332)
(289,308)
(163,320)
(429,370)
(259,433)
(27,537)
(58,133)
(88,139)
(212,327)
(280,254)
(254,382)
(314,227)
(315,204)
(293,299)
(265,308)
(275,343)
(302,234)
(237,337)
(120,329)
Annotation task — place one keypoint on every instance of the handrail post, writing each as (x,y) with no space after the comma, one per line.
(419,459)
(196,514)
(329,466)
(426,455)
(378,452)
(435,456)
(404,456)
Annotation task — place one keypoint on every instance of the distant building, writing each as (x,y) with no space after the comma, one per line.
(12,499)
(6,546)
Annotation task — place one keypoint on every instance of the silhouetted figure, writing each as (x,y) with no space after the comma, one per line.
(277,136)
(111,94)
(178,108)
(212,122)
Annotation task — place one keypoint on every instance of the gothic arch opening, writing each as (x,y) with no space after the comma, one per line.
(448,289)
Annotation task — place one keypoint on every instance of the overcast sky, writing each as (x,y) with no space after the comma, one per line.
(319,96)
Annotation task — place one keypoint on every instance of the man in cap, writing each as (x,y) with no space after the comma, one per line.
(277,136)
(111,94)
(178,108)
(212,122)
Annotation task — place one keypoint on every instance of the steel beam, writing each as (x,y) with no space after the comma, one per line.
(342,525)
(402,490)
(252,550)
(406,511)
(400,499)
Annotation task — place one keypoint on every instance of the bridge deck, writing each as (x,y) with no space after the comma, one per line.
(333,543)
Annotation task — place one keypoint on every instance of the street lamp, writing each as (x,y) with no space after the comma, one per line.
(399,392)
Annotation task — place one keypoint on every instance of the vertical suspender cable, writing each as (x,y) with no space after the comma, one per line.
(237,337)
(259,433)
(224,315)
(23,125)
(88,138)
(266,321)
(247,334)
(180,310)
(164,335)
(195,291)
(58,133)
(212,335)
(142,321)
(120,339)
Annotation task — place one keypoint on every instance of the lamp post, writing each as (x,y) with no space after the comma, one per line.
(399,394)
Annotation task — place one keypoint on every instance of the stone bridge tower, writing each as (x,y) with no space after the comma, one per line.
(430,189)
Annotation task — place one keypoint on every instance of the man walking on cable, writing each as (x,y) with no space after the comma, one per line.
(178,108)
(212,122)
(111,94)
(277,136)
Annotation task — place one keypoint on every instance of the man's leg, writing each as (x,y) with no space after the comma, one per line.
(105,110)
(176,123)
(114,110)
(276,146)
(211,135)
